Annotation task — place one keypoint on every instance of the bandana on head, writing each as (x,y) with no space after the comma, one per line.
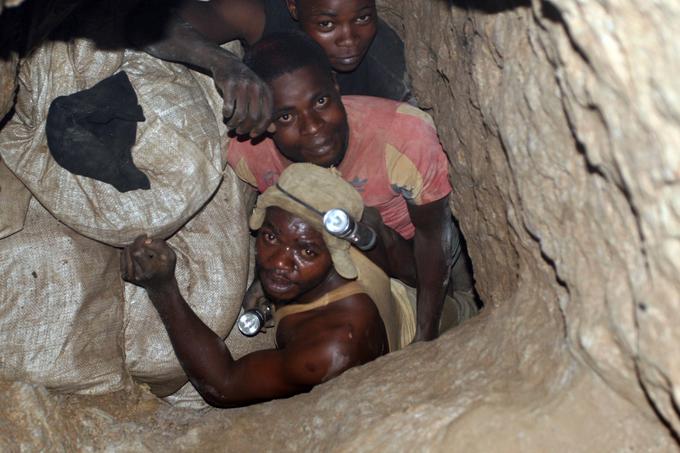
(308,191)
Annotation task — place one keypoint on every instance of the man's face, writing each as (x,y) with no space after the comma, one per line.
(344,28)
(311,124)
(292,257)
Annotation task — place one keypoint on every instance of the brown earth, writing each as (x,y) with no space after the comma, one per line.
(561,119)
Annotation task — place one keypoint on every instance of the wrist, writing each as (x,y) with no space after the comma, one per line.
(221,60)
(164,290)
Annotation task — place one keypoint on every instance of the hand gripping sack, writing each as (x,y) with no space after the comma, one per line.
(212,268)
(178,147)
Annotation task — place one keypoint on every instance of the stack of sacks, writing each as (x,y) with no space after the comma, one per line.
(178,147)
(77,327)
(61,311)
(14,199)
(212,267)
(8,71)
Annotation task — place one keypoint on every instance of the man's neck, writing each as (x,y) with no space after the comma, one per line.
(332,281)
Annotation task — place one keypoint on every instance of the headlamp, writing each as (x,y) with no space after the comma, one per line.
(340,224)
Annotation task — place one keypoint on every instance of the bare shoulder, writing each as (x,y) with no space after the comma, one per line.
(334,338)
(355,312)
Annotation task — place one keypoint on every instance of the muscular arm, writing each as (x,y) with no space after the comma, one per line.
(321,348)
(431,249)
(191,34)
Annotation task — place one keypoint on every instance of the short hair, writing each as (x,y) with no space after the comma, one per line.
(284,52)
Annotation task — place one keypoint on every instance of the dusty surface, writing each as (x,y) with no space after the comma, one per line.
(561,119)
(562,122)
(8,82)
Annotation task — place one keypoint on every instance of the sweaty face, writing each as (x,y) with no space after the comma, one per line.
(292,257)
(344,28)
(311,124)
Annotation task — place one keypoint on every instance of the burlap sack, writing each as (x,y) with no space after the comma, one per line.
(61,311)
(14,199)
(8,82)
(212,267)
(238,344)
(179,146)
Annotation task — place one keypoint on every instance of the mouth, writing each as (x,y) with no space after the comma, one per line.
(276,283)
(350,60)
(321,147)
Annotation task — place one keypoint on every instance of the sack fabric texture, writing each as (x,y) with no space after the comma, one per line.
(14,199)
(212,268)
(67,320)
(61,308)
(179,146)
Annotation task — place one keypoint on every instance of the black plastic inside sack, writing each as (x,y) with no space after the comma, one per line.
(91,133)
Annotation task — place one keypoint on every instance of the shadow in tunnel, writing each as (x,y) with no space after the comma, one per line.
(489,6)
(25,27)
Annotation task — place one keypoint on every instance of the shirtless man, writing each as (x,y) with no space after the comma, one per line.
(326,321)
(389,151)
(366,54)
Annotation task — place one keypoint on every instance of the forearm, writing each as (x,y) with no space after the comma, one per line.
(203,355)
(432,271)
(181,43)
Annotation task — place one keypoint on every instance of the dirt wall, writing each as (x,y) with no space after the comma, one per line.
(561,121)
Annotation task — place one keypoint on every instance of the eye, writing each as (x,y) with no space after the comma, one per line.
(269,236)
(325,25)
(285,118)
(364,19)
(323,100)
(309,253)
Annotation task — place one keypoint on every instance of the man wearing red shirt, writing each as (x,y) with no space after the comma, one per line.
(388,150)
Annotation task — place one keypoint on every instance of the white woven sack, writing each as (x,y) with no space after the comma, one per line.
(8,82)
(61,308)
(178,146)
(212,267)
(14,199)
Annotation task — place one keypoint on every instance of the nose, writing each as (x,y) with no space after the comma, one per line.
(311,123)
(347,37)
(283,259)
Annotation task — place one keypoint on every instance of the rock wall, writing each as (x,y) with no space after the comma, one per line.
(561,121)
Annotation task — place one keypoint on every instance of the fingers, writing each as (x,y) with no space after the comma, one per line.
(159,250)
(240,114)
(255,113)
(248,107)
(138,269)
(145,258)
(229,106)
(128,270)
(265,106)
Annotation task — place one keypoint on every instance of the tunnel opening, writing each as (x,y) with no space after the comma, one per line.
(529,97)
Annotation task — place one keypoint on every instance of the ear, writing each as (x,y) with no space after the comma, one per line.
(292,8)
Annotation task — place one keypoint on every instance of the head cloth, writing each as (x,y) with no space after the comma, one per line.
(308,191)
